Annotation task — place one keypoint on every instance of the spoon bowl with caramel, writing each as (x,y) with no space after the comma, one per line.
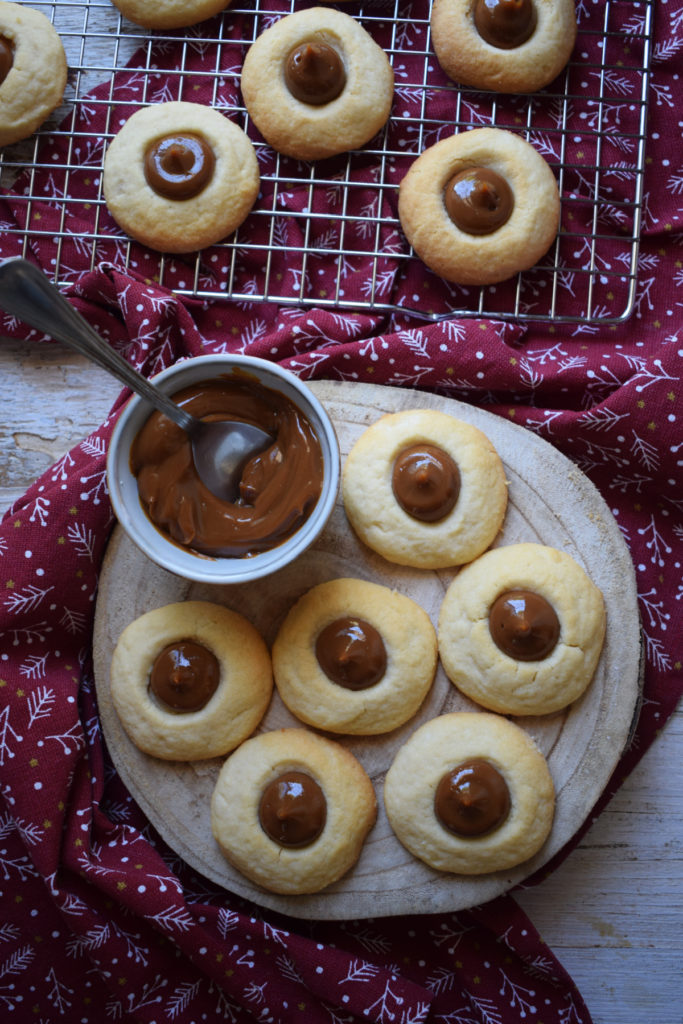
(286,492)
(221,448)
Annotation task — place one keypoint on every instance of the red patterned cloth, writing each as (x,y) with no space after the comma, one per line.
(100,920)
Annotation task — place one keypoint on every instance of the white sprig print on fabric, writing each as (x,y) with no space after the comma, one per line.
(83,539)
(30,833)
(40,704)
(487,1010)
(519,997)
(288,968)
(442,980)
(9,932)
(16,962)
(360,971)
(387,1006)
(8,736)
(180,998)
(59,992)
(19,602)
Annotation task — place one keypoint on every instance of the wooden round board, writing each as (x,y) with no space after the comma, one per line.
(550,502)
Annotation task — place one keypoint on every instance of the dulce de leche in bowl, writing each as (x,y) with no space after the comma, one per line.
(286,492)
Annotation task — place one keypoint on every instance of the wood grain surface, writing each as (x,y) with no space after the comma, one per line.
(582,744)
(611,910)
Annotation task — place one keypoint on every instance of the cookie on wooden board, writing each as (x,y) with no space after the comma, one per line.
(354,657)
(190,680)
(470,793)
(521,630)
(425,489)
(291,810)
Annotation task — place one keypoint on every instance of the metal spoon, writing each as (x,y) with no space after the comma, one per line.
(220,448)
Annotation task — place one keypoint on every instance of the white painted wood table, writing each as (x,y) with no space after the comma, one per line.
(612,911)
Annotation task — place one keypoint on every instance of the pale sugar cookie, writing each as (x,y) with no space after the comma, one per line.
(291,810)
(425,489)
(470,793)
(190,680)
(32,71)
(354,657)
(521,630)
(316,84)
(479,206)
(516,46)
(180,176)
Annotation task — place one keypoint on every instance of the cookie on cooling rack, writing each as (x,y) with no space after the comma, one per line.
(425,489)
(354,657)
(170,13)
(291,810)
(470,793)
(515,46)
(521,630)
(316,84)
(190,680)
(32,71)
(180,176)
(479,206)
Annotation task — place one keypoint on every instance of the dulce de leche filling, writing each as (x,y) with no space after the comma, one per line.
(478,200)
(314,73)
(426,482)
(524,625)
(351,653)
(472,799)
(185,675)
(293,810)
(279,488)
(6,58)
(179,166)
(505,23)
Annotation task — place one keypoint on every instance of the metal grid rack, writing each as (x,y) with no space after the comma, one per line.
(590,125)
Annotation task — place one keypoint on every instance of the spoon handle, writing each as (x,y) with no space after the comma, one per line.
(26,293)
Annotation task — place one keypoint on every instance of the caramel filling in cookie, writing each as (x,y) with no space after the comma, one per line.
(6,58)
(179,166)
(351,653)
(478,200)
(524,625)
(314,73)
(505,23)
(293,809)
(425,482)
(472,799)
(184,676)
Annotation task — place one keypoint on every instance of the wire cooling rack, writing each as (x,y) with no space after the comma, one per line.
(340,245)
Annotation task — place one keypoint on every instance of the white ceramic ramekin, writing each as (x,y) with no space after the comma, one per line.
(182,561)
